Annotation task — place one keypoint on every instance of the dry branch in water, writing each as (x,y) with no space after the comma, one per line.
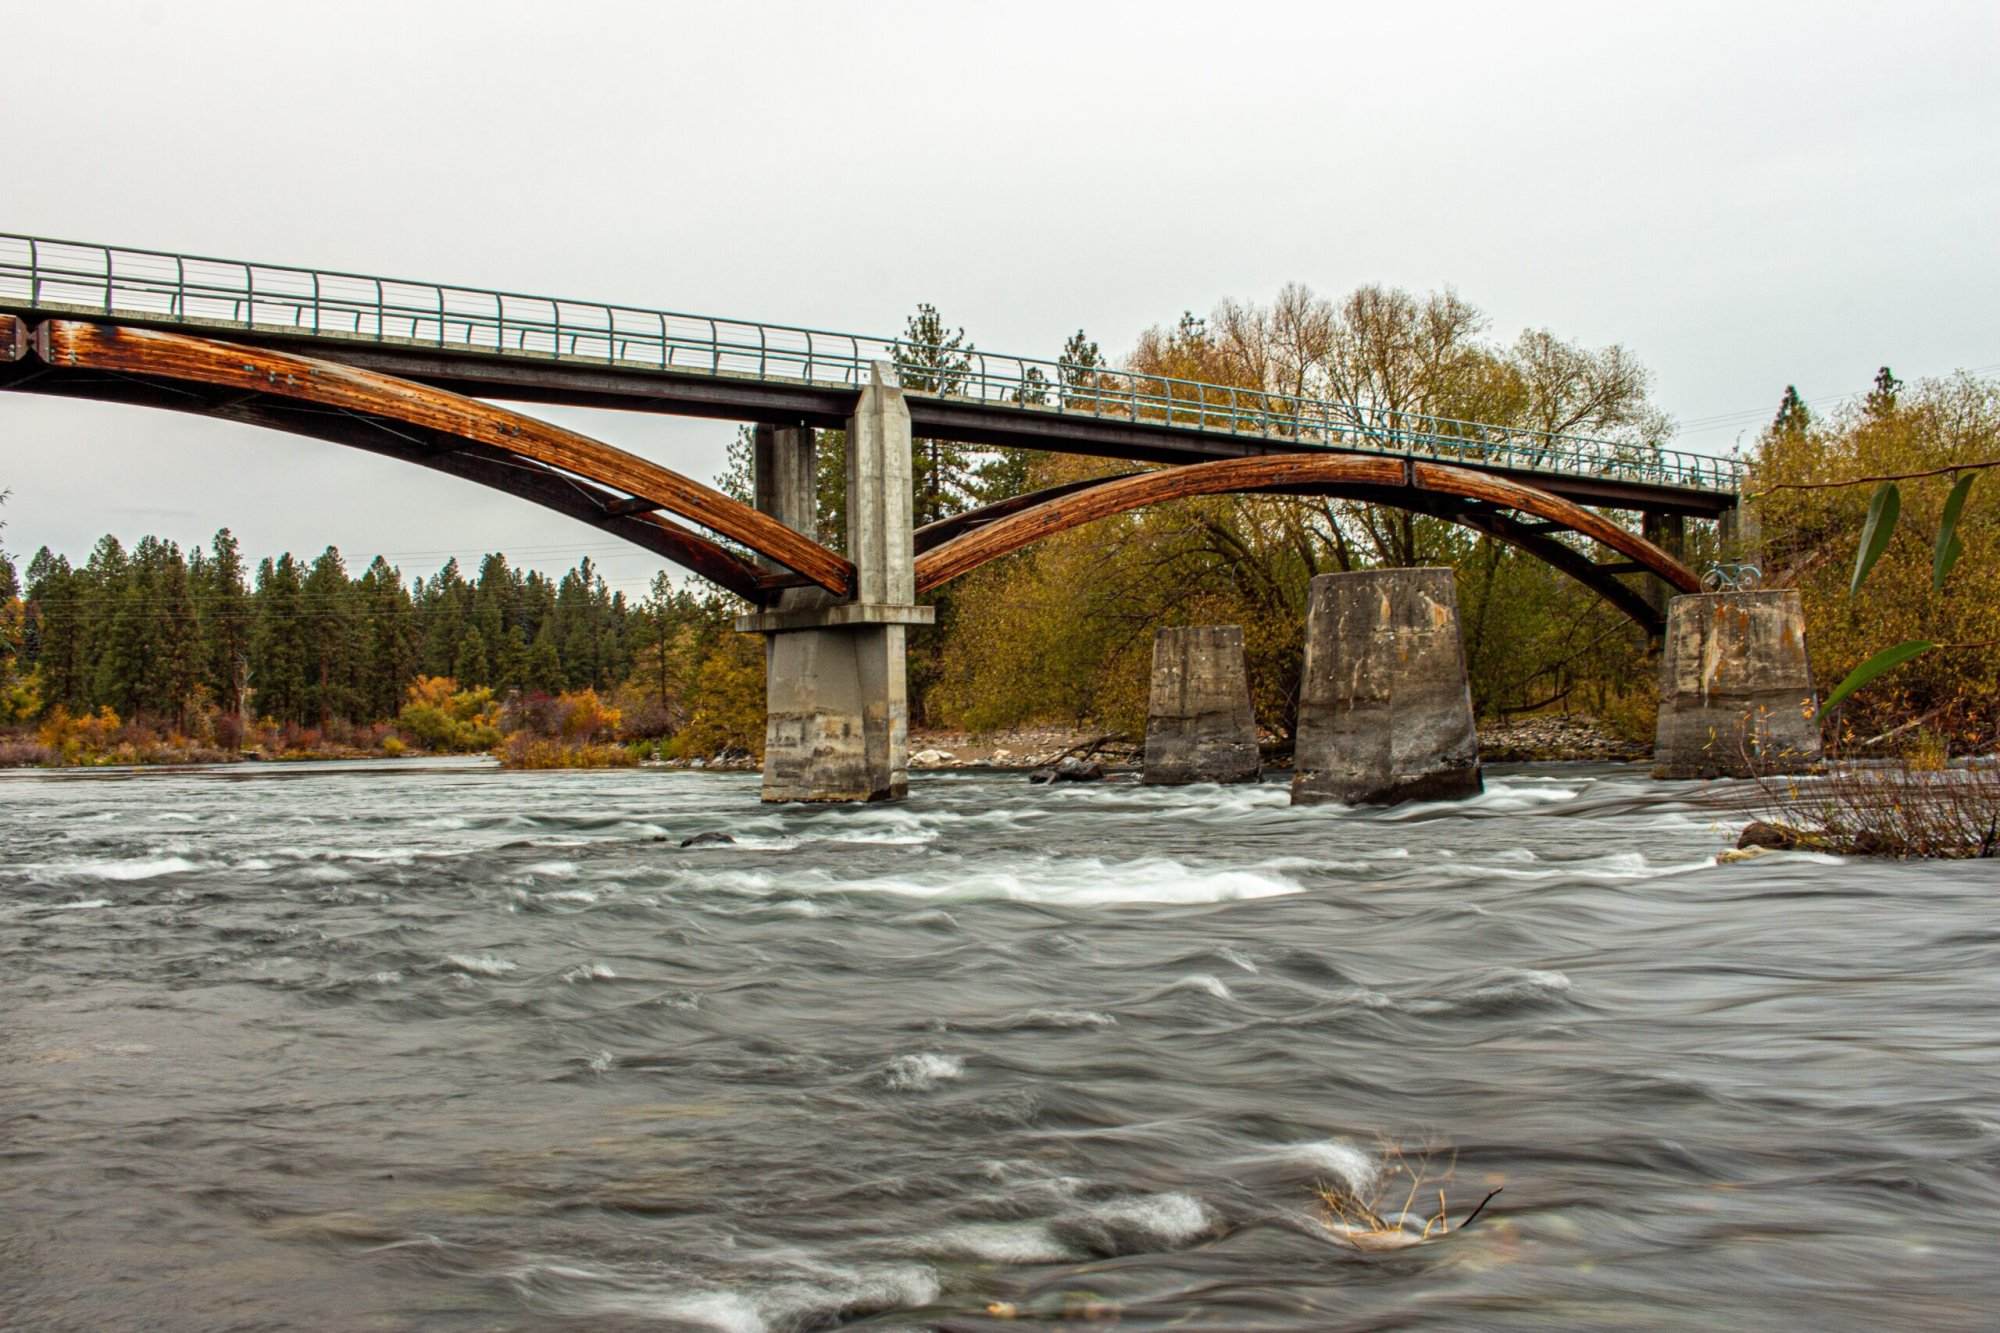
(1352,1211)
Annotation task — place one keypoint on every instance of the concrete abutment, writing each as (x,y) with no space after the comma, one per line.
(1385,711)
(1199,727)
(1736,689)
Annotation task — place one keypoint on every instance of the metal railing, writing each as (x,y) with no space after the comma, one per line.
(225,294)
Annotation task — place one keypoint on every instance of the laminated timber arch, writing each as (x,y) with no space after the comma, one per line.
(1483,501)
(466,437)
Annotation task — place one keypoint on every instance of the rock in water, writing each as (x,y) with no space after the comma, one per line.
(1775,836)
(712,838)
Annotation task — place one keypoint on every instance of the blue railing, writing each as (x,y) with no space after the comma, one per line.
(224,294)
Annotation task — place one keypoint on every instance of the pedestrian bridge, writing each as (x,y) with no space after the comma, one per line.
(411,370)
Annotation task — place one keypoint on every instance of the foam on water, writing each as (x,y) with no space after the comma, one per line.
(1349,1165)
(150,867)
(484,965)
(924,1070)
(1207,983)
(1167,1219)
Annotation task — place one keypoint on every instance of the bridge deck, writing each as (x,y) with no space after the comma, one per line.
(538,349)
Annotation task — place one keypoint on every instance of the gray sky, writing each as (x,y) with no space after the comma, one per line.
(1745,195)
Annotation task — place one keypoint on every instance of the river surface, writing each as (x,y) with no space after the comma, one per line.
(440,1047)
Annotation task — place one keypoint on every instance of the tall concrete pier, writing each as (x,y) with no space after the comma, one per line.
(836,693)
(1736,690)
(1199,727)
(1385,713)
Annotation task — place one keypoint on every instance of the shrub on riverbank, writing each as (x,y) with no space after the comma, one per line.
(524,751)
(576,729)
(66,740)
(1905,810)
(441,717)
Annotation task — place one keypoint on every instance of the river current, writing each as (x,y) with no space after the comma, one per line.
(436,1046)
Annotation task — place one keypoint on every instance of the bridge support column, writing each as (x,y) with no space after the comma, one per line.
(1385,713)
(1199,727)
(837,711)
(1669,533)
(1736,692)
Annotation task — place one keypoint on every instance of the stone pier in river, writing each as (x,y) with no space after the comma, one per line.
(836,696)
(1736,690)
(1385,713)
(1199,727)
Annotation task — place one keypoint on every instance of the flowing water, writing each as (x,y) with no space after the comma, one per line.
(438,1046)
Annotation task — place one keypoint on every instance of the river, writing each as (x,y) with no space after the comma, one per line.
(437,1046)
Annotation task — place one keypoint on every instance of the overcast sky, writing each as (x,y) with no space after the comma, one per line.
(1744,195)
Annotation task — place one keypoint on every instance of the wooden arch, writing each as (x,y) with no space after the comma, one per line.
(470,438)
(1477,499)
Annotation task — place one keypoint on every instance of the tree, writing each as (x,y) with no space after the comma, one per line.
(386,652)
(279,654)
(932,358)
(472,668)
(1792,418)
(330,640)
(222,605)
(1881,399)
(57,631)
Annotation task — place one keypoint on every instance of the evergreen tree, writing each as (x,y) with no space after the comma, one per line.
(931,358)
(222,604)
(57,630)
(171,674)
(543,673)
(1882,398)
(444,605)
(386,653)
(469,667)
(101,592)
(1792,418)
(278,659)
(330,639)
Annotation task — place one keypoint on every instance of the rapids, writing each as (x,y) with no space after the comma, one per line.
(432,1045)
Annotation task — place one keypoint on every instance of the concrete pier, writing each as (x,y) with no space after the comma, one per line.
(836,696)
(1199,727)
(1736,690)
(1385,713)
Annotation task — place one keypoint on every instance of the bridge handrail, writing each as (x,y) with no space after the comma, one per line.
(211,292)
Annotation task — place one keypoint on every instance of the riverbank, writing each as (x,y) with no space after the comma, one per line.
(1548,739)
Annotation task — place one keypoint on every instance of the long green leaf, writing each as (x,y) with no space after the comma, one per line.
(1875,533)
(1949,547)
(1886,660)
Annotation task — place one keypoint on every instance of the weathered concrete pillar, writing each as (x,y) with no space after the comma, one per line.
(1669,533)
(1199,727)
(1736,691)
(837,710)
(784,471)
(1385,713)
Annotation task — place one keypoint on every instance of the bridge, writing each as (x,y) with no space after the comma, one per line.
(410,370)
